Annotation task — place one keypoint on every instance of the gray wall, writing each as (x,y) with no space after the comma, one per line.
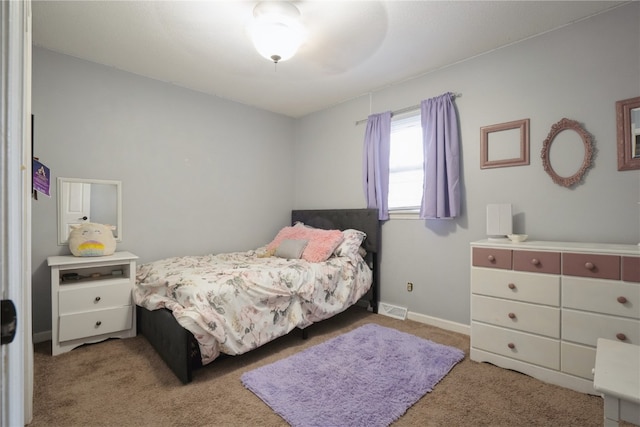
(199,174)
(578,72)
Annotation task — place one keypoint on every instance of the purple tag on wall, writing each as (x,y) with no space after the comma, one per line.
(41,178)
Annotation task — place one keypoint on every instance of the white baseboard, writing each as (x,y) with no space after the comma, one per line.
(417,317)
(41,337)
(440,323)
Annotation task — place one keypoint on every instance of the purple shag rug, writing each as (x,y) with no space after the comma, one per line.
(367,377)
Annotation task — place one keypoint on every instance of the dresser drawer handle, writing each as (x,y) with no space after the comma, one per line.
(511,286)
(535,261)
(97,299)
(622,300)
(512,315)
(589,266)
(98,323)
(491,258)
(621,336)
(511,345)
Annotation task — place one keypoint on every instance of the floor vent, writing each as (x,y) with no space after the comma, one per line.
(392,311)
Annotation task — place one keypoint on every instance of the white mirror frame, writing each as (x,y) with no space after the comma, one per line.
(62,236)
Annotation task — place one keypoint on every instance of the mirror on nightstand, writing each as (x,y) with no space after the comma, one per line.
(88,200)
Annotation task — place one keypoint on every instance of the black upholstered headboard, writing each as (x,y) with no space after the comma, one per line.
(341,219)
(365,220)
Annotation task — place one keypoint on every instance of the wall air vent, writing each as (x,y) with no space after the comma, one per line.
(392,311)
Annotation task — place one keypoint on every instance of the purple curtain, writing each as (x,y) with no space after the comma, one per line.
(376,163)
(441,190)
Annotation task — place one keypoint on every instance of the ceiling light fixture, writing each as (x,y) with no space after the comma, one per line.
(276,30)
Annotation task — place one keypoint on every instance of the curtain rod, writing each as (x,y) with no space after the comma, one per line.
(405,110)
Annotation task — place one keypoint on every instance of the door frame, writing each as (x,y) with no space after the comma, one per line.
(16,396)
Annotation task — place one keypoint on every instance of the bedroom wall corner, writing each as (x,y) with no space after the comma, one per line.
(195,177)
(578,71)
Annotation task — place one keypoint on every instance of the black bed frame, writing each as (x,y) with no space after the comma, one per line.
(178,347)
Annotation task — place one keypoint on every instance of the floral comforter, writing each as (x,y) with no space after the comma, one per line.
(235,302)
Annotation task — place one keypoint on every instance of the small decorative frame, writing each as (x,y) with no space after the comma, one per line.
(567,124)
(628,142)
(523,126)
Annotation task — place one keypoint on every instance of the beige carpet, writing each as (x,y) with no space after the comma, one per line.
(125,383)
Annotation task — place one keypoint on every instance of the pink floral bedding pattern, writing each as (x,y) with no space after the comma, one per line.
(235,302)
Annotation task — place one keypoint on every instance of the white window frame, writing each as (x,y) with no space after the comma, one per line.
(398,123)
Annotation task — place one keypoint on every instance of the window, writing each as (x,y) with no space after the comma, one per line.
(406,160)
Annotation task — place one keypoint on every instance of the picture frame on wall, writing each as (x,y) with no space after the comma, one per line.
(628,133)
(504,144)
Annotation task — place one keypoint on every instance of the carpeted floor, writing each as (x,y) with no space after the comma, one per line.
(125,383)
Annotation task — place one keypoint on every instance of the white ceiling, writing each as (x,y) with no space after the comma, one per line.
(353,47)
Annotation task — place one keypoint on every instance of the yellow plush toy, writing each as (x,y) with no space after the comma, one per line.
(92,239)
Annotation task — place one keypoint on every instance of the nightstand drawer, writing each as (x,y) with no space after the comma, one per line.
(517,345)
(591,265)
(492,258)
(607,297)
(585,328)
(81,325)
(527,287)
(521,316)
(79,298)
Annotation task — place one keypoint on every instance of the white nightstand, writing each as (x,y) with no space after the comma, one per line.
(91,299)
(617,377)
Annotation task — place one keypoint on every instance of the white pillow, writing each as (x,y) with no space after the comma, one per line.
(350,246)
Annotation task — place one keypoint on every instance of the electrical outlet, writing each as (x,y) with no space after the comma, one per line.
(409,286)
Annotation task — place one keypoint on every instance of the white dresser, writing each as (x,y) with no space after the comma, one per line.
(91,299)
(540,307)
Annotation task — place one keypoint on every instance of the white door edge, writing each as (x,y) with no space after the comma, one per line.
(15,251)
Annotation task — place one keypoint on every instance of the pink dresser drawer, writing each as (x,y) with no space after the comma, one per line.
(493,258)
(631,269)
(591,265)
(537,262)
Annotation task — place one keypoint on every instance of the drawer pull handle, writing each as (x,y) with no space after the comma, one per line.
(512,315)
(97,299)
(622,300)
(511,345)
(98,323)
(491,258)
(511,286)
(535,261)
(589,266)
(621,336)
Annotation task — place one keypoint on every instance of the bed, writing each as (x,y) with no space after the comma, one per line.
(184,307)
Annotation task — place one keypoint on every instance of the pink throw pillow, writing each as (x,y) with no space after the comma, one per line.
(321,244)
